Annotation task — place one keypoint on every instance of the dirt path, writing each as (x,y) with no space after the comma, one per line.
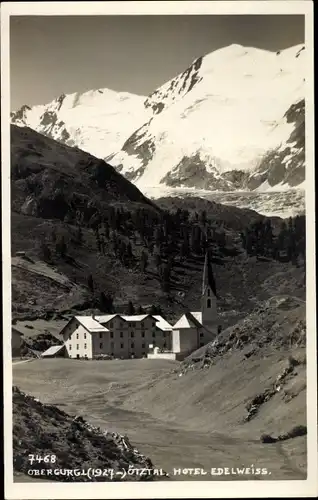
(175,447)
(104,394)
(14,363)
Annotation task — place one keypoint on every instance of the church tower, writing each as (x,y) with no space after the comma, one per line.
(208,298)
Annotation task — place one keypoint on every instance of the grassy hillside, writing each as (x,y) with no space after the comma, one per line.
(86,230)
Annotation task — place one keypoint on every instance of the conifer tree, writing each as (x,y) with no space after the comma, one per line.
(106,303)
(143,261)
(61,247)
(45,252)
(130,309)
(79,235)
(90,283)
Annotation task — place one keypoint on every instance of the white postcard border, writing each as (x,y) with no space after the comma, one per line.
(175,489)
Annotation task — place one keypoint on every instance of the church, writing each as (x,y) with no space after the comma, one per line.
(195,329)
(138,336)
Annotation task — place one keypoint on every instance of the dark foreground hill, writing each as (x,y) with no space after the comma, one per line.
(44,430)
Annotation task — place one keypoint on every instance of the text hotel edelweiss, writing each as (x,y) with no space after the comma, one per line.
(92,473)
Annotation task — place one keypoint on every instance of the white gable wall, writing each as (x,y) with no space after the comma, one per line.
(78,340)
(185,340)
(176,341)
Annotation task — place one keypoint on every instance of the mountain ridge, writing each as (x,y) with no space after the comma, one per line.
(233,120)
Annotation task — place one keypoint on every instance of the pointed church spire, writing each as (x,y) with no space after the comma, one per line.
(208,278)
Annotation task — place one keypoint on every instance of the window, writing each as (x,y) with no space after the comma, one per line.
(164,344)
(209,292)
(142,324)
(132,345)
(153,334)
(100,335)
(209,303)
(77,346)
(154,343)
(121,346)
(77,335)
(111,324)
(111,335)
(70,347)
(201,334)
(84,335)
(143,346)
(201,344)
(132,334)
(121,334)
(142,334)
(101,345)
(85,346)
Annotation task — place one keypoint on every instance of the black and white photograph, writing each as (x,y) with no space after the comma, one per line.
(158,249)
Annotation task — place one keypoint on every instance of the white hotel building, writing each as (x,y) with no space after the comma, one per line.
(116,335)
(135,336)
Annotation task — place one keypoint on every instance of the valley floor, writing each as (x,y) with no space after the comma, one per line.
(140,398)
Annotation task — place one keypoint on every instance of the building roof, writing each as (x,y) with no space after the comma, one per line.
(52,350)
(208,278)
(105,318)
(197,315)
(162,324)
(187,321)
(91,324)
(135,317)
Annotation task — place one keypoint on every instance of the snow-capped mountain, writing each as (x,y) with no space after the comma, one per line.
(234,115)
(234,120)
(98,121)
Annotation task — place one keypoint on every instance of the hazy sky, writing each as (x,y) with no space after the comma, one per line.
(51,55)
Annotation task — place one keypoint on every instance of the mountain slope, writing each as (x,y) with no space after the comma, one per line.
(216,123)
(98,121)
(233,120)
(250,386)
(108,228)
(52,180)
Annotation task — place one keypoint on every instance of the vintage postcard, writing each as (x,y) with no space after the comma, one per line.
(158,214)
